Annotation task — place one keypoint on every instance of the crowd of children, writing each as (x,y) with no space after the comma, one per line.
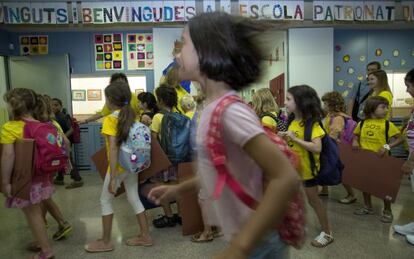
(252,169)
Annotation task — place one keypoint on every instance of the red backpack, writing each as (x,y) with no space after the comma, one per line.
(76,138)
(292,229)
(50,153)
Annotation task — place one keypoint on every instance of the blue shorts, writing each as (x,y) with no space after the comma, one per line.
(272,247)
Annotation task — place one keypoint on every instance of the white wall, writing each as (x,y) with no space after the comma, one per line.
(311,58)
(163,46)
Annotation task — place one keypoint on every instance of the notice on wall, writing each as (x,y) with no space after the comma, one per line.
(140,51)
(34,45)
(109,51)
(380,11)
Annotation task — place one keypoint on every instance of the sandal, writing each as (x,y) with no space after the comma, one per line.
(43,255)
(322,240)
(164,221)
(387,216)
(98,246)
(202,238)
(348,200)
(216,232)
(364,211)
(33,247)
(139,241)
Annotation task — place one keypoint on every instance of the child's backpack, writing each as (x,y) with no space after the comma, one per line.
(135,153)
(292,229)
(331,167)
(50,152)
(347,135)
(76,138)
(281,124)
(175,137)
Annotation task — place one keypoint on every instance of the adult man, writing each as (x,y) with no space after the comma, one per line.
(359,94)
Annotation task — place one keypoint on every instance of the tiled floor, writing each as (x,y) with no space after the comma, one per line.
(355,236)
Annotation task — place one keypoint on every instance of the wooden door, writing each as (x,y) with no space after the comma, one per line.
(277,87)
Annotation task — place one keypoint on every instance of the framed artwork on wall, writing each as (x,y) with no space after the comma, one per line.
(138,91)
(94,95)
(78,95)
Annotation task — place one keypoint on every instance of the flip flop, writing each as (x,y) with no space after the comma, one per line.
(138,241)
(347,200)
(98,246)
(198,239)
(216,232)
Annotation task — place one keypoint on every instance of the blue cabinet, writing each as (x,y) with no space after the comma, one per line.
(91,142)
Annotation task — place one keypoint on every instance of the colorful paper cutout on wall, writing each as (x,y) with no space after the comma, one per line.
(403,62)
(34,45)
(412,53)
(346,58)
(341,82)
(108,51)
(360,77)
(386,63)
(395,52)
(378,52)
(140,53)
(338,69)
(345,93)
(338,48)
(362,58)
(351,70)
(350,85)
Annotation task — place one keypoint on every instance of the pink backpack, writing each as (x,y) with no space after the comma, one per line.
(50,153)
(292,229)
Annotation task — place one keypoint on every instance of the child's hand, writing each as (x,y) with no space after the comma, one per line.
(6,188)
(355,145)
(163,194)
(145,119)
(112,186)
(382,152)
(407,167)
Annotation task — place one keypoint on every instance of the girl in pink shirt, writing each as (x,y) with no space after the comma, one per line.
(220,52)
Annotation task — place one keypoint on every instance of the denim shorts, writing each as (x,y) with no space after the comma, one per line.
(272,247)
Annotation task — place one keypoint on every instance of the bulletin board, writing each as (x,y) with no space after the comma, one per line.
(140,51)
(109,52)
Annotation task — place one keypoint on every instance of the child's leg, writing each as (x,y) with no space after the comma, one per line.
(131,188)
(54,210)
(349,190)
(316,204)
(367,200)
(387,205)
(36,222)
(387,216)
(107,210)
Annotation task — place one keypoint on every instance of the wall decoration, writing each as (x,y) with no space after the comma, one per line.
(94,95)
(412,53)
(138,91)
(338,69)
(351,70)
(346,58)
(395,52)
(386,63)
(341,82)
(360,77)
(109,52)
(34,45)
(362,58)
(338,48)
(378,52)
(140,49)
(350,85)
(403,62)
(78,95)
(345,93)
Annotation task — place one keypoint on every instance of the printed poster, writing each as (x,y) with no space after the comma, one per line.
(34,45)
(109,52)
(140,51)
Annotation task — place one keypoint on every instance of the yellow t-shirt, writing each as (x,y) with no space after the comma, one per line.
(11,131)
(134,105)
(372,136)
(156,123)
(269,122)
(190,114)
(387,95)
(109,128)
(317,132)
(180,94)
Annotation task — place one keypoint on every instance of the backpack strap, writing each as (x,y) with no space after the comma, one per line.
(217,154)
(361,124)
(387,128)
(308,138)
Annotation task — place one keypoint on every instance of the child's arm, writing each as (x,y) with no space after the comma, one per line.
(395,141)
(168,193)
(355,142)
(7,163)
(283,183)
(336,127)
(314,146)
(113,161)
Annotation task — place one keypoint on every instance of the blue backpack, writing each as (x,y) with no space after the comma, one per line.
(175,137)
(331,167)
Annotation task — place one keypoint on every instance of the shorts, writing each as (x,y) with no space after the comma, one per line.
(310,183)
(272,247)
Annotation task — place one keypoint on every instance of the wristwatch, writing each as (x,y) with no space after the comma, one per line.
(387,147)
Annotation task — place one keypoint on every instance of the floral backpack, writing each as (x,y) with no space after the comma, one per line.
(292,229)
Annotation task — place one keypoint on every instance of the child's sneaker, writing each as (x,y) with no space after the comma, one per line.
(322,240)
(407,229)
(410,239)
(164,221)
(62,232)
(364,211)
(178,219)
(387,216)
